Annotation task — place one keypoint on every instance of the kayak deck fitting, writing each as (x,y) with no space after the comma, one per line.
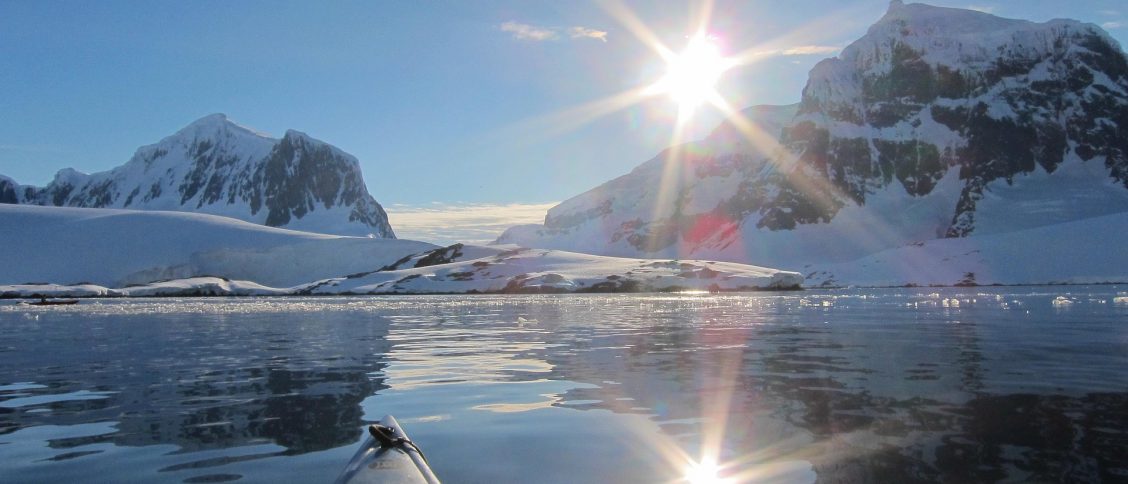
(388,456)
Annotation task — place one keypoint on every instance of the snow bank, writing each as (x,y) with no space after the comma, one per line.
(202,286)
(111,247)
(512,269)
(505,270)
(36,291)
(195,286)
(1088,251)
(80,252)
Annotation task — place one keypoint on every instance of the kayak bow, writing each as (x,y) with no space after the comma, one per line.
(388,456)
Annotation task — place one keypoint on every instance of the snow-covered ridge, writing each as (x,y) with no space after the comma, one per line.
(960,38)
(978,46)
(115,247)
(518,270)
(218,167)
(513,271)
(83,252)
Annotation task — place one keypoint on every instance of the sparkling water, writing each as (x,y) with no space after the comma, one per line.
(890,385)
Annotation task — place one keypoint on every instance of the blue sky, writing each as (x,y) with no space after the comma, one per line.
(441,101)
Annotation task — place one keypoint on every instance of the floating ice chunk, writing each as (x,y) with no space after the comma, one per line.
(1062,301)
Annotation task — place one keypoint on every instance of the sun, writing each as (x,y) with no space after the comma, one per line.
(691,76)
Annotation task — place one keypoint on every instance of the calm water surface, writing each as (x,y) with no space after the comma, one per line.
(954,385)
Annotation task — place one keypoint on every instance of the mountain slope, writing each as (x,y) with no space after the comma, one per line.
(518,270)
(1087,251)
(217,167)
(939,122)
(64,251)
(113,247)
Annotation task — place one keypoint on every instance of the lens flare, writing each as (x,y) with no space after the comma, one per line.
(690,81)
(691,76)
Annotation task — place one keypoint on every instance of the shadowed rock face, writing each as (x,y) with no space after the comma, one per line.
(215,166)
(301,174)
(928,93)
(8,191)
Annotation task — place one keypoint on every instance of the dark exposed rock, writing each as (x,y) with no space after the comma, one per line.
(444,255)
(8,191)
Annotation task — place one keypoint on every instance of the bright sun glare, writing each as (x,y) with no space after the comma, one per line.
(704,472)
(690,80)
(691,76)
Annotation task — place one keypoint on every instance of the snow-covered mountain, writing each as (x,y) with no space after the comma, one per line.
(938,123)
(215,166)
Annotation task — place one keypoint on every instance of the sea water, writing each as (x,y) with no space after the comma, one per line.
(886,385)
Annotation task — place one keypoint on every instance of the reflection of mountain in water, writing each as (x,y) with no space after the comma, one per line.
(205,381)
(866,386)
(877,397)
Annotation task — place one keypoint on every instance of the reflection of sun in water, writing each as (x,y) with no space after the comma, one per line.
(690,80)
(692,75)
(704,472)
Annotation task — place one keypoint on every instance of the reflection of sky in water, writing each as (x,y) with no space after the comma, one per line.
(18,400)
(878,385)
(458,353)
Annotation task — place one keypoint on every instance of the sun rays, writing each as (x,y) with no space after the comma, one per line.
(691,75)
(693,68)
(689,82)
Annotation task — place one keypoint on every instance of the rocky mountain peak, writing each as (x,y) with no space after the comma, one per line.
(214,165)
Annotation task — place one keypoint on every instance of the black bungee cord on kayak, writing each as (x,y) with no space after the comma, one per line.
(387,438)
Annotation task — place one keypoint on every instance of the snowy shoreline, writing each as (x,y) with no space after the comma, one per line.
(81,252)
(240,289)
(208,287)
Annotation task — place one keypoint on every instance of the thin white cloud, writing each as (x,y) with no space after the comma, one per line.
(1109,13)
(1112,25)
(981,8)
(529,32)
(536,33)
(586,33)
(445,224)
(812,50)
(34,148)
